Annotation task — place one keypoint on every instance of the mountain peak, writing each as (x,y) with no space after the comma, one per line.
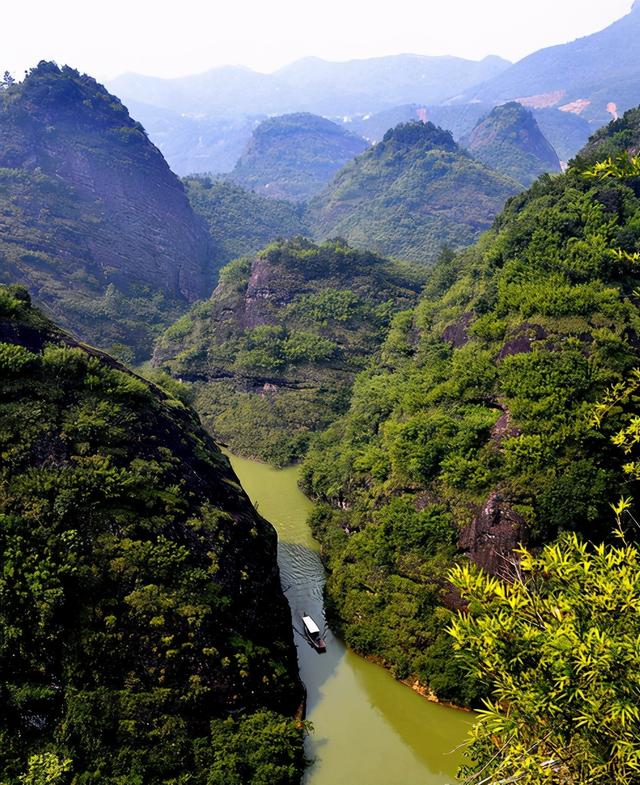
(293,156)
(415,133)
(510,140)
(410,194)
(99,202)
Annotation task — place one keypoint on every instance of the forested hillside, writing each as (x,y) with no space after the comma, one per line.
(411,194)
(272,355)
(92,220)
(473,433)
(510,140)
(241,222)
(293,156)
(144,636)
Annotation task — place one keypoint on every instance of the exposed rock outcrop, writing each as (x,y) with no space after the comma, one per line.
(493,535)
(92,219)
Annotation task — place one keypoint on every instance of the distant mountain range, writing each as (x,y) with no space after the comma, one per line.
(596,77)
(205,144)
(201,123)
(312,85)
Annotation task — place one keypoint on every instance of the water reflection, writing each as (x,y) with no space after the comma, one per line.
(369,729)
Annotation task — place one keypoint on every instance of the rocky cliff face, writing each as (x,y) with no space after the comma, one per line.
(92,218)
(510,140)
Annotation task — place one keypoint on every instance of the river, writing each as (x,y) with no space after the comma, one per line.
(368,728)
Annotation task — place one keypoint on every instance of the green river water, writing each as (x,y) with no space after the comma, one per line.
(368,728)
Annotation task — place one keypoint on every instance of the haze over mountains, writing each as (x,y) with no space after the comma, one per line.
(573,88)
(596,77)
(452,358)
(312,85)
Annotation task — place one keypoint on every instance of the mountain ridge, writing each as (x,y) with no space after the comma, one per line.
(363,84)
(595,76)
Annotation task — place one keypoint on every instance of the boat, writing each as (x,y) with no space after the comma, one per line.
(312,631)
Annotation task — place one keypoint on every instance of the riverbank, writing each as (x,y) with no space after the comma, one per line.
(369,729)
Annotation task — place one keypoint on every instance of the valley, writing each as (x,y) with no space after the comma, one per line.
(350,339)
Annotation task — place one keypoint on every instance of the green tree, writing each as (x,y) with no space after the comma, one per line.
(558,647)
(46,768)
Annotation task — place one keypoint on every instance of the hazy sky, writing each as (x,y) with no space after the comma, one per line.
(189,36)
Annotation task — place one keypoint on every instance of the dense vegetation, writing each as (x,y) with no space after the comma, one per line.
(241,222)
(509,140)
(91,218)
(272,355)
(293,156)
(143,633)
(556,644)
(472,434)
(411,194)
(559,646)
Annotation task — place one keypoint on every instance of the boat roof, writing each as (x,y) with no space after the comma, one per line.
(310,624)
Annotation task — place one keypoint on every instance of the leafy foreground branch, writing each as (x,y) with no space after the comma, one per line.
(560,649)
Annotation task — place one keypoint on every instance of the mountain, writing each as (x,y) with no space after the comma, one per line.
(272,355)
(596,77)
(411,194)
(294,156)
(92,219)
(241,222)
(312,85)
(473,431)
(509,140)
(578,86)
(142,623)
(566,132)
(372,84)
